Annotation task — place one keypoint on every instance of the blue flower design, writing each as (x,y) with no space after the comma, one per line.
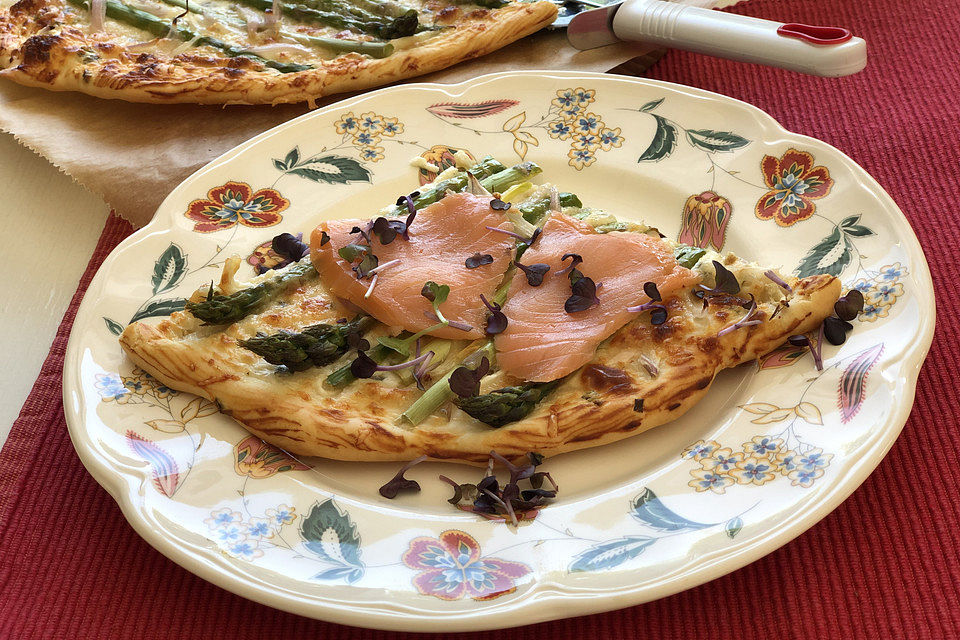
(365,138)
(559,129)
(699,449)
(566,98)
(245,549)
(891,272)
(391,128)
(223,518)
(259,528)
(282,515)
(762,447)
(589,123)
(872,312)
(110,387)
(814,460)
(230,534)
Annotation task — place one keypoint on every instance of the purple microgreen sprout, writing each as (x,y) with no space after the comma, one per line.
(780,282)
(398,483)
(583,293)
(465,382)
(363,233)
(576,259)
(324,238)
(849,306)
(407,201)
(804,341)
(356,341)
(364,366)
(497,320)
(423,368)
(499,205)
(658,312)
(477,260)
(534,272)
(745,321)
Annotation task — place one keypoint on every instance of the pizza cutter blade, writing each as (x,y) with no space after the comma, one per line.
(821,51)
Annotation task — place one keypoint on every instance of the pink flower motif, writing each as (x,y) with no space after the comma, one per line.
(451,568)
(705,218)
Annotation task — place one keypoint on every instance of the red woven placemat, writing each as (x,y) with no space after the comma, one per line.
(885,564)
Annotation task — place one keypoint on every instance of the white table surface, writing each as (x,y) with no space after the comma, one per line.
(50,229)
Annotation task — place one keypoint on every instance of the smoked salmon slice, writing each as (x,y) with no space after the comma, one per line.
(441,238)
(543,342)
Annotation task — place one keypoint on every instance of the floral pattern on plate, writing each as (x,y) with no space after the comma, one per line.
(315,536)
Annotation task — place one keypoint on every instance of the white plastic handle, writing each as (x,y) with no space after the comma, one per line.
(796,47)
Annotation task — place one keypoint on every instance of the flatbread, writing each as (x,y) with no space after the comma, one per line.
(669,367)
(50,44)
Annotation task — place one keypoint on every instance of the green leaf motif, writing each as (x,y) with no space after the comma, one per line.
(113,326)
(650,106)
(613,553)
(733,527)
(329,533)
(169,269)
(850,227)
(648,508)
(290,161)
(332,170)
(159,308)
(663,143)
(829,256)
(714,141)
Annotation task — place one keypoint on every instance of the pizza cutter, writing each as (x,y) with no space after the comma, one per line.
(820,51)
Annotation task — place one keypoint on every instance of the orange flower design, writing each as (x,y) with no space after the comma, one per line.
(236,203)
(255,458)
(794,184)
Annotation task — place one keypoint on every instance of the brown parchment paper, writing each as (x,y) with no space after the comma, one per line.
(133,155)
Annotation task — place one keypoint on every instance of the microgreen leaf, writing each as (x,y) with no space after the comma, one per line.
(650,288)
(290,247)
(465,382)
(575,260)
(324,238)
(499,205)
(780,282)
(497,320)
(477,260)
(835,330)
(534,272)
(363,366)
(398,483)
(435,293)
(726,282)
(849,306)
(584,293)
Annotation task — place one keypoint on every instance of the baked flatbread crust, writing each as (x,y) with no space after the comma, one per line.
(593,406)
(40,47)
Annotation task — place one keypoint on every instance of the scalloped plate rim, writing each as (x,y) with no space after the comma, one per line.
(550,602)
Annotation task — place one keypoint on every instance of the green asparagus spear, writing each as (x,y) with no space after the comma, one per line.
(314,346)
(161,28)
(506,405)
(385,28)
(373,11)
(440,392)
(483,169)
(489,4)
(372,49)
(533,211)
(221,309)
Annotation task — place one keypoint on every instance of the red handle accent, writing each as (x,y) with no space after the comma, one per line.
(815,34)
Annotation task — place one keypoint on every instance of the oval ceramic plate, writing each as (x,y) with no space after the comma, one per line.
(772,449)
